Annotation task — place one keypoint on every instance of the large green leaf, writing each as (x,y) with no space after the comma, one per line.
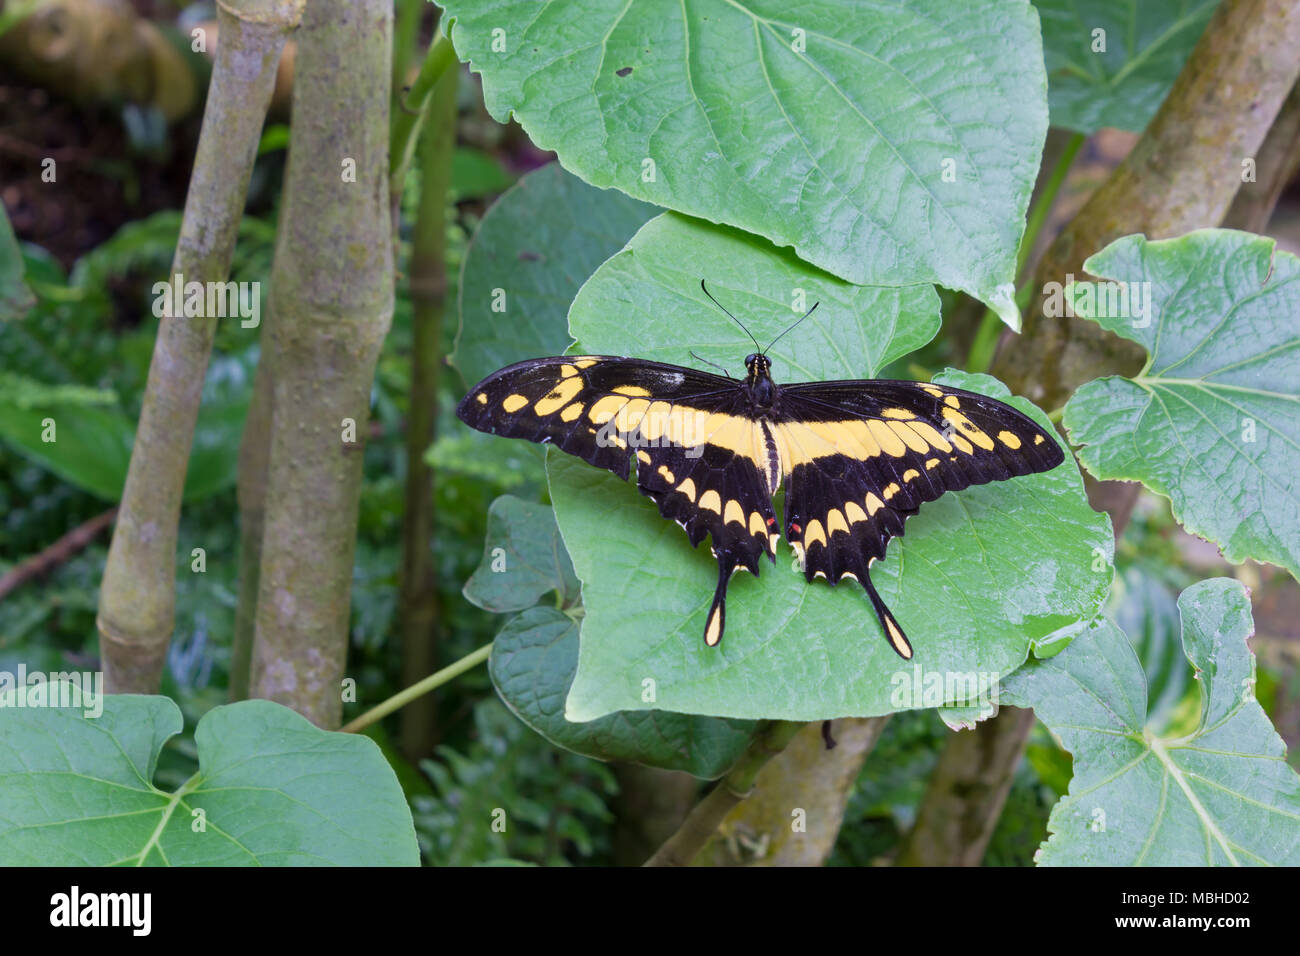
(535,655)
(533,662)
(887,142)
(1213,421)
(537,244)
(274,790)
(86,445)
(1142,795)
(980,575)
(1118,77)
(92,437)
(523,559)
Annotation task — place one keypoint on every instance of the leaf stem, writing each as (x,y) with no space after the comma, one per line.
(408,117)
(434,680)
(986,338)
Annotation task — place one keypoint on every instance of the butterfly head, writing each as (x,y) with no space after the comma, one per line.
(759,379)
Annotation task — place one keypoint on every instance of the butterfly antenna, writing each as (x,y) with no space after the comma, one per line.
(792,328)
(700,358)
(732,317)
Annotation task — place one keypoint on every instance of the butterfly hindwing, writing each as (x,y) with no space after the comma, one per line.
(860,458)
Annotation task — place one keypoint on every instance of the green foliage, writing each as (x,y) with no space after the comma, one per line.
(1211,420)
(894,146)
(1119,76)
(536,245)
(15,297)
(1151,794)
(273,789)
(510,795)
(536,653)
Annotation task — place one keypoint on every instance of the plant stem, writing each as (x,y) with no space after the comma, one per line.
(417,602)
(990,328)
(332,299)
(410,113)
(137,601)
(703,821)
(468,662)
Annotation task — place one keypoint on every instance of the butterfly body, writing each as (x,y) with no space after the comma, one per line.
(857,458)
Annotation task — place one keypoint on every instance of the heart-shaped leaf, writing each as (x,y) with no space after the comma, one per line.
(535,655)
(272,789)
(533,662)
(1213,421)
(980,575)
(523,559)
(1111,62)
(533,249)
(1222,794)
(892,144)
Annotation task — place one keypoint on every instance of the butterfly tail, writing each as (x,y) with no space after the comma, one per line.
(717,620)
(893,633)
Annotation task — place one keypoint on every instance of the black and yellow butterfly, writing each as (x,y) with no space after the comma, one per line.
(858,457)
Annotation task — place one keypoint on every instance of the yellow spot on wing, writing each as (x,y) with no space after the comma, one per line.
(931,390)
(897,413)
(568,370)
(931,434)
(891,489)
(604,409)
(734,513)
(482,398)
(640,455)
(952,401)
(710,501)
(559,396)
(584,362)
(664,473)
(635,390)
(910,437)
(873,504)
(756,524)
(571,412)
(513,403)
(814,534)
(1010,439)
(687,488)
(897,639)
(910,474)
(931,463)
(889,441)
(1038,439)
(835,520)
(854,513)
(963,445)
(969,429)
(713,633)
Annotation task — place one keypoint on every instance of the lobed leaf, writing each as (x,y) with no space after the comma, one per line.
(1213,421)
(1222,794)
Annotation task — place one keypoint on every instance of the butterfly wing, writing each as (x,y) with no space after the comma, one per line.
(700,458)
(861,457)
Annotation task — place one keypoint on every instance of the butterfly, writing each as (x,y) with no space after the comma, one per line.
(857,458)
